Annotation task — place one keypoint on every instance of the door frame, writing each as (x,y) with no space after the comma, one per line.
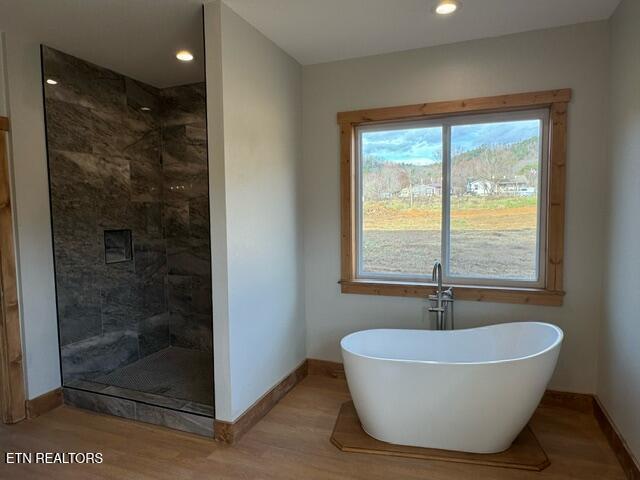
(12,388)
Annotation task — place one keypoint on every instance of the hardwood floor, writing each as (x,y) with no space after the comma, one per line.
(291,442)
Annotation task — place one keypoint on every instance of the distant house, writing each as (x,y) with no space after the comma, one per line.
(517,186)
(421,191)
(480,187)
(436,188)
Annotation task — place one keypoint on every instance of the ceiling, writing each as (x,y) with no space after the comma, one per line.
(138,38)
(315,31)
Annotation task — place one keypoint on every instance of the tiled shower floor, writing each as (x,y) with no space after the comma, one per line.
(176,378)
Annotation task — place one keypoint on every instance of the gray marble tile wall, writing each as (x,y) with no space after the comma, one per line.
(109,170)
(186,216)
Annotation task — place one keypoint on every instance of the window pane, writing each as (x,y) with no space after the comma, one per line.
(401,200)
(494,201)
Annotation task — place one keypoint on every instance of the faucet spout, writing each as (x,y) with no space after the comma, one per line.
(441,300)
(436,275)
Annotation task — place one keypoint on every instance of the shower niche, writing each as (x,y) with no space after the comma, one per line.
(117,246)
(128,180)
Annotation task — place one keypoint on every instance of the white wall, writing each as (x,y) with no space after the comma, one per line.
(262,314)
(575,57)
(217,210)
(31,209)
(619,373)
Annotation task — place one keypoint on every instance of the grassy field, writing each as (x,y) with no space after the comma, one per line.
(467,213)
(489,236)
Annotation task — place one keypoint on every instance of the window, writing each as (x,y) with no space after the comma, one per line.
(470,185)
(465,191)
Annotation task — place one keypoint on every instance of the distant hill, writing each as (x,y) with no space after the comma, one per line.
(518,156)
(491,163)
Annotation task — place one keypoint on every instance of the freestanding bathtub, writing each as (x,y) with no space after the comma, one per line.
(470,390)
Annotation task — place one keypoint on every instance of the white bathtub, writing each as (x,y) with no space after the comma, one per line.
(469,390)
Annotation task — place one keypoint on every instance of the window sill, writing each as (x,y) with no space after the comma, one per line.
(525,296)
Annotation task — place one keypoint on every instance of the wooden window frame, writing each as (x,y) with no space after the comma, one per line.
(12,389)
(552,293)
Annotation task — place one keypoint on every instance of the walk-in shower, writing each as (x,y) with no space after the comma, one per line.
(130,219)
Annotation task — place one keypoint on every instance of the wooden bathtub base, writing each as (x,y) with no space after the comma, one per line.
(525,453)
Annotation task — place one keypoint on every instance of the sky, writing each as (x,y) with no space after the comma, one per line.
(423,146)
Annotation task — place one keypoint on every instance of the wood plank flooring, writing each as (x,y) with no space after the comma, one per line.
(291,442)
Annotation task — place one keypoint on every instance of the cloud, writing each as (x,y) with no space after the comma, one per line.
(423,146)
(408,145)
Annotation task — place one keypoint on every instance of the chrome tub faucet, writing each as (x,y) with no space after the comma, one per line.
(442,300)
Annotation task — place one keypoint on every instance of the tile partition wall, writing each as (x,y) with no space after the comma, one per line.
(126,156)
(186,215)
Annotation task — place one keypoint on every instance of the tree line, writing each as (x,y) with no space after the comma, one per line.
(490,165)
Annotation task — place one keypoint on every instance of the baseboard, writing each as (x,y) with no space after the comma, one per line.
(44,403)
(230,432)
(629,463)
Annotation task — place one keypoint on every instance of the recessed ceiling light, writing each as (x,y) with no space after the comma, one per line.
(51,81)
(184,56)
(447,7)
(145,109)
